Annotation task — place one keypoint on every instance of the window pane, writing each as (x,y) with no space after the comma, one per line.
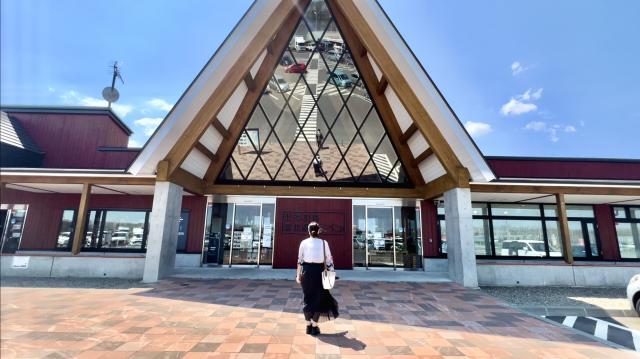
(482,237)
(480,209)
(628,239)
(576,235)
(441,208)
(550,210)
(115,229)
(267,240)
(520,210)
(523,238)
(183,229)
(443,236)
(619,212)
(580,211)
(554,238)
(635,212)
(359,244)
(66,229)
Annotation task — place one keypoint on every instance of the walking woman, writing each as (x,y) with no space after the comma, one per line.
(313,255)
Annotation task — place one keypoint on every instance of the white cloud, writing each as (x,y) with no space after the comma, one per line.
(553,135)
(74,98)
(518,68)
(517,107)
(148,124)
(160,104)
(521,103)
(570,128)
(134,143)
(478,129)
(536,126)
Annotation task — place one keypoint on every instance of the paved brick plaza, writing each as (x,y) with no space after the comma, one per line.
(260,319)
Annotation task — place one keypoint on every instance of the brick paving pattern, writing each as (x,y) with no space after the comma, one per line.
(261,319)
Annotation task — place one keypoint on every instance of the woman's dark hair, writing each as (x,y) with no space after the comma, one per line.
(314,229)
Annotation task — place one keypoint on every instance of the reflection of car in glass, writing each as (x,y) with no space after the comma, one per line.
(278,84)
(296,68)
(136,238)
(526,248)
(63,238)
(286,60)
(333,55)
(309,46)
(119,238)
(633,293)
(341,79)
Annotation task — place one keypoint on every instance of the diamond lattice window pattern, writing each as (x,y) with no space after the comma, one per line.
(315,122)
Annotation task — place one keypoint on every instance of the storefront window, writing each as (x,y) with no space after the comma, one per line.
(116,230)
(515,210)
(12,219)
(554,240)
(628,231)
(359,242)
(268,229)
(65,235)
(482,237)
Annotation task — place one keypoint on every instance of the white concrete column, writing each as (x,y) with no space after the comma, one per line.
(460,247)
(163,231)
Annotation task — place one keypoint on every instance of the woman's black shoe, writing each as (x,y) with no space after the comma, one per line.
(309,329)
(315,331)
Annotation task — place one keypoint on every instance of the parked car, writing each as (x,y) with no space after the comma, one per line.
(341,79)
(286,60)
(309,46)
(297,68)
(333,55)
(633,293)
(277,83)
(63,239)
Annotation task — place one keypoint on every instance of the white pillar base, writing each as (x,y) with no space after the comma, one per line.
(460,247)
(163,231)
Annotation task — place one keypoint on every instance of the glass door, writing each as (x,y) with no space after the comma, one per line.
(584,240)
(246,234)
(266,238)
(380,238)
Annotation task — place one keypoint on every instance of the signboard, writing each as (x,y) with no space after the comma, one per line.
(330,222)
(252,133)
(20,262)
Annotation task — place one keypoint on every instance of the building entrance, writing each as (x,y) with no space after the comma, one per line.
(240,234)
(386,235)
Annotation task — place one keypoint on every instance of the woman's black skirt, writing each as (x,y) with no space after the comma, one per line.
(319,305)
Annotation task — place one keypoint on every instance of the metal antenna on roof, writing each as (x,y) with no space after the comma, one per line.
(110,94)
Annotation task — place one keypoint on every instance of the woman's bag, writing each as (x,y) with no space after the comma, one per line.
(328,277)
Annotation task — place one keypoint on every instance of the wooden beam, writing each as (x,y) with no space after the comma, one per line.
(437,187)
(280,41)
(232,78)
(556,188)
(81,219)
(424,155)
(382,86)
(188,181)
(371,80)
(567,253)
(400,85)
(313,191)
(101,179)
(162,171)
(248,80)
(220,128)
(408,133)
(205,151)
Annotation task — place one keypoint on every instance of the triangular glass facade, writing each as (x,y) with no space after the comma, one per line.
(315,122)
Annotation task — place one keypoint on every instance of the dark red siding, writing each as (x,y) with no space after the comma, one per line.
(45,213)
(72,140)
(430,236)
(292,217)
(565,169)
(607,232)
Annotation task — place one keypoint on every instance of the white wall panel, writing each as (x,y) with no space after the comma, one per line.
(376,69)
(211,139)
(196,163)
(417,144)
(231,107)
(401,114)
(431,169)
(256,66)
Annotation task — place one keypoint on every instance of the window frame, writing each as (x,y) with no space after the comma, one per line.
(541,218)
(627,219)
(71,233)
(143,246)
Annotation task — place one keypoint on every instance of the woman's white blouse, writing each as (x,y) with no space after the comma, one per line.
(310,251)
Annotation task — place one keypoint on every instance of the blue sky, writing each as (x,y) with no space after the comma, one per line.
(528,78)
